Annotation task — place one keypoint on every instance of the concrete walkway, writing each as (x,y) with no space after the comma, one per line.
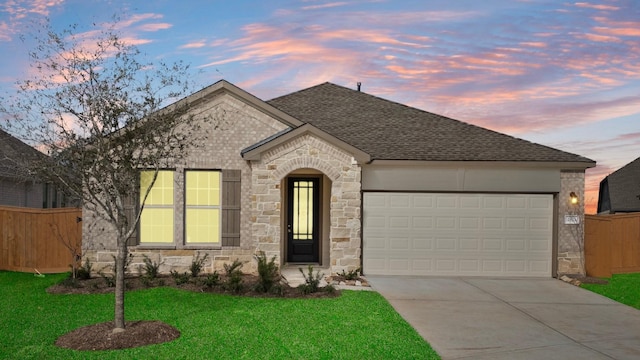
(483,318)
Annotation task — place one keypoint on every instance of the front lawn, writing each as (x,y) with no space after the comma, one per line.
(356,325)
(623,288)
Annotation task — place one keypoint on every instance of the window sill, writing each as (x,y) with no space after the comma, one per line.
(154,247)
(174,247)
(202,247)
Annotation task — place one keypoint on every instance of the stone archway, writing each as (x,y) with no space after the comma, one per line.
(343,203)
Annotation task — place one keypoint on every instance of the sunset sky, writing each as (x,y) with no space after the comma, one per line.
(560,73)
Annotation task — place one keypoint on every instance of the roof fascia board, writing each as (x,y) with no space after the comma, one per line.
(359,155)
(521,164)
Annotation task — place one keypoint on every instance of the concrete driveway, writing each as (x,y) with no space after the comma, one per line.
(484,318)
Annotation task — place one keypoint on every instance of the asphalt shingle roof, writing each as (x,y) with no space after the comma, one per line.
(391,131)
(13,154)
(624,187)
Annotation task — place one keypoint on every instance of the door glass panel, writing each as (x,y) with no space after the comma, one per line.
(303,210)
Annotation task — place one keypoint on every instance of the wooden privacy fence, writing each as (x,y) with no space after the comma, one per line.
(39,239)
(612,244)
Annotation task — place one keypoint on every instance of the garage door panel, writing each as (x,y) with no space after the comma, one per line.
(516,202)
(399,244)
(422,222)
(423,201)
(446,202)
(401,201)
(458,234)
(467,202)
(422,244)
(469,223)
(445,223)
(401,222)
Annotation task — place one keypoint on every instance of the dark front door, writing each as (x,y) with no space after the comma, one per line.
(303,219)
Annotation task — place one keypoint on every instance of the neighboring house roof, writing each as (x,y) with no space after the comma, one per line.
(620,191)
(14,155)
(387,130)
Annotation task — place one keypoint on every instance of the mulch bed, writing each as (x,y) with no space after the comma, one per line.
(141,333)
(98,285)
(101,336)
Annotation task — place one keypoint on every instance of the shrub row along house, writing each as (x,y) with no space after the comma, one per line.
(345,180)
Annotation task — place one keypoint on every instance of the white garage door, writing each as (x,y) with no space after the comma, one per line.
(457,234)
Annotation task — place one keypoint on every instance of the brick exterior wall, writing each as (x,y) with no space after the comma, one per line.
(309,152)
(234,126)
(571,236)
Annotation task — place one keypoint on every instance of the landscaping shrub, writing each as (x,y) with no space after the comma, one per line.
(212,280)
(268,274)
(84,271)
(180,278)
(351,275)
(197,264)
(150,269)
(311,281)
(234,280)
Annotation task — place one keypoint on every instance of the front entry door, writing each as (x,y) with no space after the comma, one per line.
(303,219)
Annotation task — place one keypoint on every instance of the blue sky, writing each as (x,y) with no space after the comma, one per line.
(561,73)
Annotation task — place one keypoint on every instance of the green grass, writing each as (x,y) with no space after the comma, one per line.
(356,325)
(623,288)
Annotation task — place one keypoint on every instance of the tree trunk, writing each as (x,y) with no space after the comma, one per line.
(121,259)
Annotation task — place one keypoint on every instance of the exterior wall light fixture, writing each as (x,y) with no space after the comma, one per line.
(574,198)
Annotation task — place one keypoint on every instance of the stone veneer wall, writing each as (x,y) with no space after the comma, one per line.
(234,126)
(308,151)
(571,237)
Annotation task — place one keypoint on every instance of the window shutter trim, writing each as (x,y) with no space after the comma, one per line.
(231,203)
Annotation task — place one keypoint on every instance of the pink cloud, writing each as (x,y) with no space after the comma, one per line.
(596,6)
(617,28)
(535,44)
(599,38)
(136,18)
(608,81)
(5,32)
(312,44)
(194,45)
(154,27)
(372,36)
(618,31)
(631,136)
(19,9)
(324,6)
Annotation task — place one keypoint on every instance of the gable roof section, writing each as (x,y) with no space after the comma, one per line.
(225,87)
(13,154)
(254,152)
(624,188)
(387,130)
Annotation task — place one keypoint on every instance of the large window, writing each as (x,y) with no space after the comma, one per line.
(202,207)
(156,221)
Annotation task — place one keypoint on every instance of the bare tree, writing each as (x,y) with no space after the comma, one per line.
(99,111)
